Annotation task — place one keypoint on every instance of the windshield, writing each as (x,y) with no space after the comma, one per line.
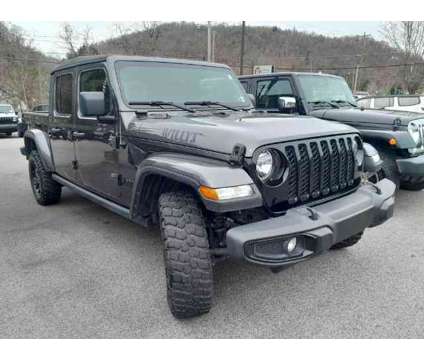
(4,109)
(179,83)
(325,89)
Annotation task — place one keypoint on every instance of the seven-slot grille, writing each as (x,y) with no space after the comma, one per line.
(320,167)
(6,119)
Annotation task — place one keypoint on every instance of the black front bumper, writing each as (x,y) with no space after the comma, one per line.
(8,128)
(315,228)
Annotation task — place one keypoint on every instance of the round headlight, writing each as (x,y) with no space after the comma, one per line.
(359,153)
(264,165)
(414,131)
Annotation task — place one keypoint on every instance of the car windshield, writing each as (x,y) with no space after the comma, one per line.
(179,83)
(325,89)
(5,109)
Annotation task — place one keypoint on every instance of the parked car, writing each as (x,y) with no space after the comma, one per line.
(398,136)
(8,119)
(414,103)
(23,125)
(176,143)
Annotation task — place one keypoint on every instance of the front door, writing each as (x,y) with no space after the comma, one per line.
(267,92)
(61,125)
(97,150)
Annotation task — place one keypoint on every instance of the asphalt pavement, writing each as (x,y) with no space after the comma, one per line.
(76,270)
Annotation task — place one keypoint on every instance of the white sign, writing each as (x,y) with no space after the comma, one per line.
(263,69)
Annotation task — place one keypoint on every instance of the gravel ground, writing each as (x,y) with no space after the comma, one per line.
(75,270)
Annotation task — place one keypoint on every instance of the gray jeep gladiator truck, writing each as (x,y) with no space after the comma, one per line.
(177,143)
(398,136)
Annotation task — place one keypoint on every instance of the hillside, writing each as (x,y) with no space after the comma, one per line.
(285,49)
(24,71)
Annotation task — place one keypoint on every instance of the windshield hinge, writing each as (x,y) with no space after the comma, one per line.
(237,156)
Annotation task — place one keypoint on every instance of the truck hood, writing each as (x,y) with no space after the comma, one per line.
(357,116)
(220,133)
(8,115)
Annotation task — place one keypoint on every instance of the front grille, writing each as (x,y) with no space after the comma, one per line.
(6,120)
(319,168)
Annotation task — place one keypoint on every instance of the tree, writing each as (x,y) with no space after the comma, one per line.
(77,43)
(24,72)
(408,38)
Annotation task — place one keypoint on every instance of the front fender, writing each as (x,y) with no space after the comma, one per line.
(193,171)
(403,139)
(42,144)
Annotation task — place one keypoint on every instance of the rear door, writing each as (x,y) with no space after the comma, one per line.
(61,125)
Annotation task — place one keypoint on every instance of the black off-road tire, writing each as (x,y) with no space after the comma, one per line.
(188,263)
(348,242)
(389,169)
(46,190)
(413,185)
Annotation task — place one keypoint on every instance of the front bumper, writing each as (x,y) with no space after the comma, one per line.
(315,228)
(5,128)
(411,166)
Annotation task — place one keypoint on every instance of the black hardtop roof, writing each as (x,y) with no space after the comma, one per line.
(285,73)
(84,60)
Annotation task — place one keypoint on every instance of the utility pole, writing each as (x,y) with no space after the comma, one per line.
(355,82)
(243,27)
(213,45)
(209,41)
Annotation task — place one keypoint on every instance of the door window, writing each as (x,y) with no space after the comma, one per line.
(94,80)
(245,84)
(63,94)
(268,92)
(383,102)
(366,103)
(408,100)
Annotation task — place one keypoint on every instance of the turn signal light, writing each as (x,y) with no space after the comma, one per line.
(226,193)
(393,141)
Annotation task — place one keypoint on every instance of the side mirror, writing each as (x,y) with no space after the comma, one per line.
(92,103)
(252,99)
(286,103)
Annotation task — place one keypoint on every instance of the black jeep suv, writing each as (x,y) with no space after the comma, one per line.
(397,135)
(177,143)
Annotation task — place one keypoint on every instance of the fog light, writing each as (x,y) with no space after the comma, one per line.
(291,245)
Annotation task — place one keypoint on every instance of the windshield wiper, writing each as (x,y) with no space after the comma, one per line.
(161,103)
(334,106)
(207,103)
(345,102)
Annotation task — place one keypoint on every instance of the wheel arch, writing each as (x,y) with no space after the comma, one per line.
(36,139)
(168,172)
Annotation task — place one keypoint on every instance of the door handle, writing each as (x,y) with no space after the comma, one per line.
(78,135)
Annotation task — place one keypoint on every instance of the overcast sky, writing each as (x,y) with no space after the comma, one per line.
(45,33)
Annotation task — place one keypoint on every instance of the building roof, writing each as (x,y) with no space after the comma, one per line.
(83,60)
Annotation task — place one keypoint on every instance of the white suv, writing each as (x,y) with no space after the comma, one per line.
(414,103)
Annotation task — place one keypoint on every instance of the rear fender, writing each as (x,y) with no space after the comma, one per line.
(40,140)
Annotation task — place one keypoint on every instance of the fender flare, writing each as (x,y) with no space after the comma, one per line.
(42,144)
(192,171)
(404,140)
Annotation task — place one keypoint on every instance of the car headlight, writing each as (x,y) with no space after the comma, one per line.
(359,153)
(414,131)
(264,165)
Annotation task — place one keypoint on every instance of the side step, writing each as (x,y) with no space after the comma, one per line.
(117,209)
